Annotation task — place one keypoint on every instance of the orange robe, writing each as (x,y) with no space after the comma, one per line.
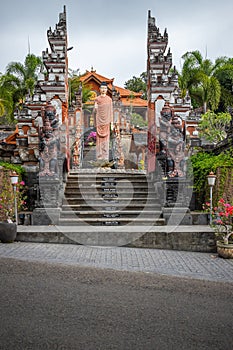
(104,116)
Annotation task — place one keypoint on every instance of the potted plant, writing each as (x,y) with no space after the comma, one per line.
(9,201)
(222,216)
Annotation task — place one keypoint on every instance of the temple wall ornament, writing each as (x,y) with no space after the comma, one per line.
(49,142)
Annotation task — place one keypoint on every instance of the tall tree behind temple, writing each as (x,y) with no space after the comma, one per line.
(197,76)
(138,84)
(224,74)
(9,96)
(18,82)
(25,73)
(74,85)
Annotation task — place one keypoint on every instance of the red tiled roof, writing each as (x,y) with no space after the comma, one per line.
(127,97)
(93,75)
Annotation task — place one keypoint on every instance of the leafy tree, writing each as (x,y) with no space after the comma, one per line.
(25,75)
(213,126)
(200,165)
(197,76)
(138,84)
(19,80)
(74,85)
(137,120)
(7,91)
(224,74)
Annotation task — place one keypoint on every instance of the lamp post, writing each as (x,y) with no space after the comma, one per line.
(14,180)
(211,181)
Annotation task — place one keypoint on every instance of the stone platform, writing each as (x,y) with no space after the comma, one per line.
(196,238)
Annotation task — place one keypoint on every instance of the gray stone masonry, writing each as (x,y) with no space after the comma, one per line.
(189,238)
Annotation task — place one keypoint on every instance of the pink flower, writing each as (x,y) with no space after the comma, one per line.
(22,183)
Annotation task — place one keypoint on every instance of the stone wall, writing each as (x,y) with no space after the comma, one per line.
(186,238)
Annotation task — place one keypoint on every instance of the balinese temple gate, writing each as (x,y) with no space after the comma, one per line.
(50,141)
(167,113)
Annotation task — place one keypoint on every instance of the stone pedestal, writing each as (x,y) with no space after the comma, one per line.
(49,187)
(178,192)
(177,215)
(46,216)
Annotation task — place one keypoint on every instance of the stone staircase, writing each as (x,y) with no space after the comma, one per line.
(109,197)
(89,155)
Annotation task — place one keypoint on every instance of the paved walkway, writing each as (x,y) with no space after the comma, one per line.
(204,266)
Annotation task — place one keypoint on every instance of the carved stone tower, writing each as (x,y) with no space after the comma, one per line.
(42,141)
(167,112)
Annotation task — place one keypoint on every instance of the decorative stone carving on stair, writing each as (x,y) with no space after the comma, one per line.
(165,126)
(118,152)
(49,142)
(171,143)
(176,146)
(77,148)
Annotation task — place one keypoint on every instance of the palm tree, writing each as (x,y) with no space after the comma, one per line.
(198,78)
(26,74)
(224,74)
(18,82)
(6,99)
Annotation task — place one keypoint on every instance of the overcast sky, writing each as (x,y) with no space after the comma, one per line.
(110,35)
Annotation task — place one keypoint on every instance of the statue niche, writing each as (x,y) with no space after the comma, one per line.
(171,143)
(176,145)
(49,142)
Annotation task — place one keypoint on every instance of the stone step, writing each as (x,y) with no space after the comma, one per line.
(109,197)
(113,184)
(110,213)
(107,175)
(105,187)
(111,207)
(107,194)
(102,201)
(112,221)
(196,238)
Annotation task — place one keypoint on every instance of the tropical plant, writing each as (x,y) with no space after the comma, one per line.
(6,100)
(197,77)
(74,86)
(224,74)
(25,73)
(200,165)
(137,120)
(18,82)
(213,126)
(138,84)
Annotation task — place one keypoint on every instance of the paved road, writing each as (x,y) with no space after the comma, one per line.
(51,306)
(204,266)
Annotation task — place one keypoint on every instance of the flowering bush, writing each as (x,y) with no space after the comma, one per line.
(91,138)
(222,216)
(7,199)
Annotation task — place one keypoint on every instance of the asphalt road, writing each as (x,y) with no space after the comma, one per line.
(51,306)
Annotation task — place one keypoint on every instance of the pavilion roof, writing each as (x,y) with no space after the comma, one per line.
(128,97)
